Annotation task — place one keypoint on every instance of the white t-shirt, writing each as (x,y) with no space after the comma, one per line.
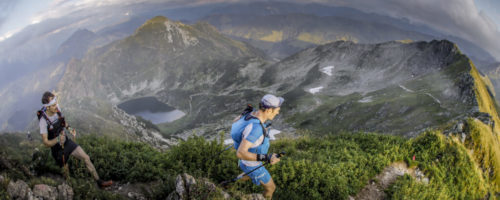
(43,122)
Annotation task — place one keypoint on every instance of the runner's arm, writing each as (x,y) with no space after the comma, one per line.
(47,142)
(243,152)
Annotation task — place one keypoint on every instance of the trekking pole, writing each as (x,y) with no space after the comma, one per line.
(224,183)
(225,149)
(65,166)
(71,129)
(77,161)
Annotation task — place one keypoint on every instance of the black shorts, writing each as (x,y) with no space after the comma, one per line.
(58,152)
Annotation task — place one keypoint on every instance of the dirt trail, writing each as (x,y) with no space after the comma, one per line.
(375,188)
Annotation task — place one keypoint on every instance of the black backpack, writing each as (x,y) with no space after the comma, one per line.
(41,113)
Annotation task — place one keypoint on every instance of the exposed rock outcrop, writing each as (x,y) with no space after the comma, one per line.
(375,189)
(187,187)
(20,190)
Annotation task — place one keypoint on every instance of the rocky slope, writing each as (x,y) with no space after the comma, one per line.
(394,87)
(493,73)
(192,68)
(390,87)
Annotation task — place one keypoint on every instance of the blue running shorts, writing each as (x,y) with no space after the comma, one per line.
(258,175)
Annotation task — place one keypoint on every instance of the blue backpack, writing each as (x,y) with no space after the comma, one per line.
(238,127)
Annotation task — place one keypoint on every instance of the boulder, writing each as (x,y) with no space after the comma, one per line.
(65,192)
(42,191)
(180,188)
(136,196)
(186,186)
(19,190)
(253,196)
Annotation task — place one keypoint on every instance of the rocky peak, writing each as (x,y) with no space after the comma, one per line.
(76,45)
(166,59)
(160,30)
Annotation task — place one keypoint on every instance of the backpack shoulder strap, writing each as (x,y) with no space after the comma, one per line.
(264,130)
(41,114)
(61,117)
(247,110)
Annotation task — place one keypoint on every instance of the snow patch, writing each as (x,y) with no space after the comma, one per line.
(404,88)
(228,141)
(272,133)
(435,99)
(153,85)
(315,90)
(366,100)
(327,70)
(113,98)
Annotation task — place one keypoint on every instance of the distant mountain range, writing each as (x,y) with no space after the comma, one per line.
(283,30)
(393,87)
(283,35)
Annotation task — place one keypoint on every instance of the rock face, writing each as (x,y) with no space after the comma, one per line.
(375,189)
(20,190)
(187,187)
(42,191)
(393,87)
(65,192)
(133,126)
(184,66)
(390,87)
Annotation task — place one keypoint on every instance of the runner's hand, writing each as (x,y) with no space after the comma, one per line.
(274,159)
(73,132)
(62,138)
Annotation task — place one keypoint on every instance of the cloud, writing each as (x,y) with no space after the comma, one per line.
(460,18)
(61,8)
(6,7)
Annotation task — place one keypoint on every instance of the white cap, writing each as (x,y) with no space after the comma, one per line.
(271,101)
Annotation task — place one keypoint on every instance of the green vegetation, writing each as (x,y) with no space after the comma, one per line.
(451,170)
(486,151)
(326,167)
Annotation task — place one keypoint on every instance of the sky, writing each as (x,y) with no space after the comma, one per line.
(475,20)
(491,9)
(17,14)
